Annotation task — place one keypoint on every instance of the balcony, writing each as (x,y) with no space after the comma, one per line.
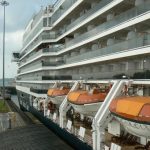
(30,57)
(34,32)
(86,15)
(63,8)
(126,16)
(40,39)
(36,18)
(49,64)
(39,53)
(31,67)
(77,21)
(118,48)
(41,64)
(114,49)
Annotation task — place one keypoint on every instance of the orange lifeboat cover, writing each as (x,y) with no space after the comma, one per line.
(58,92)
(73,96)
(131,106)
(83,97)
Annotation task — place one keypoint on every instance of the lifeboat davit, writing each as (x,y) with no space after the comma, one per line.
(86,103)
(133,113)
(57,95)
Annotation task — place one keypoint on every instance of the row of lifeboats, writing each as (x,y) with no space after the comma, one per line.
(132,112)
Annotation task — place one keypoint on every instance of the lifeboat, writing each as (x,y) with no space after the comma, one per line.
(57,95)
(86,103)
(133,113)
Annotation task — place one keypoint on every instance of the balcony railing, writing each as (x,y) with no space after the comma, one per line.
(109,50)
(42,51)
(40,39)
(31,67)
(87,14)
(53,49)
(34,55)
(36,30)
(65,6)
(109,24)
(77,21)
(41,64)
(116,48)
(58,63)
(36,18)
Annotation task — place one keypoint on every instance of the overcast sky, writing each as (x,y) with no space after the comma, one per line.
(18,13)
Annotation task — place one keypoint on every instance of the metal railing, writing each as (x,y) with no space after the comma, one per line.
(87,14)
(63,8)
(116,48)
(40,52)
(40,38)
(31,36)
(52,63)
(36,18)
(109,24)
(31,67)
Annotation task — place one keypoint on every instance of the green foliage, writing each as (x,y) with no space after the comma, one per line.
(3,107)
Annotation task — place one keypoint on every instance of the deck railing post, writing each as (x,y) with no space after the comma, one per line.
(99,121)
(64,106)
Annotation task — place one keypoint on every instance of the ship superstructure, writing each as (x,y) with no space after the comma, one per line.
(83,45)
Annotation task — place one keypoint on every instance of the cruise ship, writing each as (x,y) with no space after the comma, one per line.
(84,71)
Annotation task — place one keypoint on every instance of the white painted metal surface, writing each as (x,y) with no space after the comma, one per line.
(27,90)
(87,109)
(102,116)
(134,128)
(57,100)
(101,11)
(123,54)
(65,106)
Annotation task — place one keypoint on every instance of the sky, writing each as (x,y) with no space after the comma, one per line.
(18,14)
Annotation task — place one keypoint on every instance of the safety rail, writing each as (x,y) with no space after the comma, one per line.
(126,16)
(95,136)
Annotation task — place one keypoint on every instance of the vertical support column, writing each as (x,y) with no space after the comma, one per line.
(102,116)
(30,101)
(100,137)
(94,136)
(64,106)
(55,84)
(47,98)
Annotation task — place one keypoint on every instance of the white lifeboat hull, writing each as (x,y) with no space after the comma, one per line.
(87,109)
(57,100)
(135,128)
